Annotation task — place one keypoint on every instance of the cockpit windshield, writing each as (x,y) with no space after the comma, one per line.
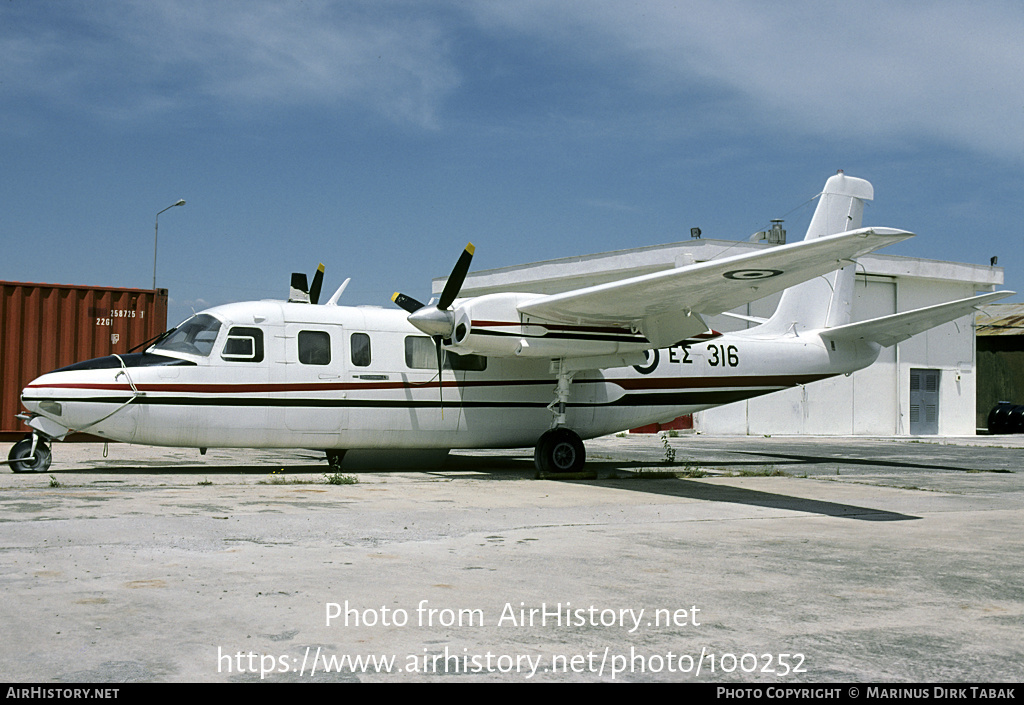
(195,336)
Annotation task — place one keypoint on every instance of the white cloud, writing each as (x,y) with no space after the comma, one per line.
(395,63)
(942,70)
(877,70)
(135,59)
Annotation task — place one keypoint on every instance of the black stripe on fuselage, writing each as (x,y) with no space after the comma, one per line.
(687,398)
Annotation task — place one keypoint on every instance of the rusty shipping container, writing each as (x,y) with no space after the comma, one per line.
(47,326)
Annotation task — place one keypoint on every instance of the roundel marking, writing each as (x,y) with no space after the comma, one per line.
(652,362)
(752,274)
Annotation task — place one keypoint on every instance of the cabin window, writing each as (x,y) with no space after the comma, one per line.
(420,354)
(314,347)
(244,345)
(360,344)
(195,336)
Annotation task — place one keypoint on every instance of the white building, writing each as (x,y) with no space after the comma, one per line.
(925,385)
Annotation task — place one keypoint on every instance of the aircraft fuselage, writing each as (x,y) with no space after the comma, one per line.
(283,375)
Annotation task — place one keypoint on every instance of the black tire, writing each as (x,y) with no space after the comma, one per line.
(559,450)
(23,449)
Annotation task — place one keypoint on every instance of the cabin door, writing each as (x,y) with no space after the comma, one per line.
(314,398)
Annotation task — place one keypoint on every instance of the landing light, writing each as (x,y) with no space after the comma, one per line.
(51,407)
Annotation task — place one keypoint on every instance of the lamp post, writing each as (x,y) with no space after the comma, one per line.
(156,228)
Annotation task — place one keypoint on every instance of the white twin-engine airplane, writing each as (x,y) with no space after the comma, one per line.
(505,370)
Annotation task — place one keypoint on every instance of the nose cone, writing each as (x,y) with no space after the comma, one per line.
(93,395)
(48,413)
(39,395)
(433,321)
(32,395)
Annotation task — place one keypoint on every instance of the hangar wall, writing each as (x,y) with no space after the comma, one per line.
(878,400)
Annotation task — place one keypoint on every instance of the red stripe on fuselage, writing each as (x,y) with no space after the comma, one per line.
(629,384)
(553,326)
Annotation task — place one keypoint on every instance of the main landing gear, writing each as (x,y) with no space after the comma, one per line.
(30,454)
(560,449)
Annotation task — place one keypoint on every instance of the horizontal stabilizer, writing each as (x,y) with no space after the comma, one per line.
(895,328)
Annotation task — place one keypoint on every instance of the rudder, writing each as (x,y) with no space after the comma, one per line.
(825,301)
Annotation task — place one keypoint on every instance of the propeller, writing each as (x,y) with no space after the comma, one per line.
(301,292)
(438,320)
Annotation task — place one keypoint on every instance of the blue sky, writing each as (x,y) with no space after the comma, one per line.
(379,137)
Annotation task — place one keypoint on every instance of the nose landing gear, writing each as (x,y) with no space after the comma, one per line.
(30,454)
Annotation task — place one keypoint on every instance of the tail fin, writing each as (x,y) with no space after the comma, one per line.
(825,301)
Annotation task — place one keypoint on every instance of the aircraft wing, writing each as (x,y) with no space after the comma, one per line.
(897,327)
(652,303)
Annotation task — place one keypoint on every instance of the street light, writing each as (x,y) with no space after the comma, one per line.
(156,228)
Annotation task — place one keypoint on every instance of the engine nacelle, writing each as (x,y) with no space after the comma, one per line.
(492,325)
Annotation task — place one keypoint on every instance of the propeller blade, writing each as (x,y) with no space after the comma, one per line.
(406,302)
(318,281)
(457,278)
(299,288)
(440,365)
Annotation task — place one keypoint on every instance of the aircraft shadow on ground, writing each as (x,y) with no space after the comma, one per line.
(500,468)
(710,492)
(517,468)
(136,468)
(504,468)
(802,459)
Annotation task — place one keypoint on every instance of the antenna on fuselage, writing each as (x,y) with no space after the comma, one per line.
(333,301)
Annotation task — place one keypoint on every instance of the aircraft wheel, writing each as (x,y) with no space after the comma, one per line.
(559,450)
(23,449)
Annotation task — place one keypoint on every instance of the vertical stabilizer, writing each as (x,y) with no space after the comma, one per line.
(825,301)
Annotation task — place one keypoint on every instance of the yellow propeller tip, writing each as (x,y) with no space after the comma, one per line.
(394,296)
(469,248)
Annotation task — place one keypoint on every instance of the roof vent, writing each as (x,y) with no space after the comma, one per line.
(775,236)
